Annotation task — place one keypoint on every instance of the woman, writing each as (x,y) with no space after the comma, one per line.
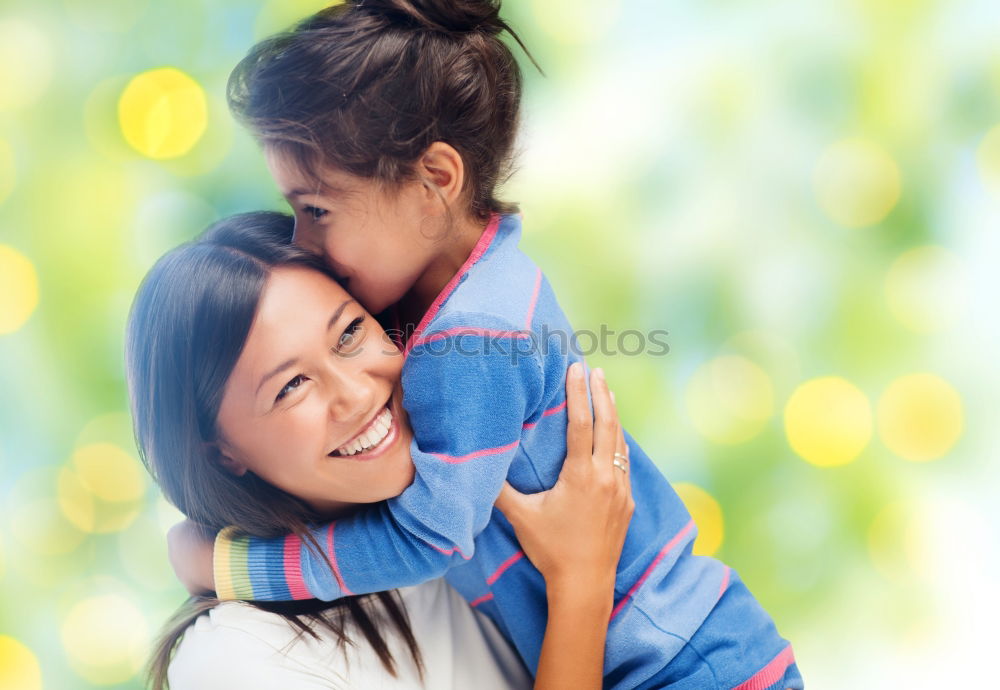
(213,333)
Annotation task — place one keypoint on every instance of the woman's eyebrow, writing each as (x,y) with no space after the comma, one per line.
(287,364)
(338,311)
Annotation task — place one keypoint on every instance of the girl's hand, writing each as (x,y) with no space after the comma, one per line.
(190,549)
(574,532)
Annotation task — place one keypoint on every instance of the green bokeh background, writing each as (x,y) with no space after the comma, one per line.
(682,168)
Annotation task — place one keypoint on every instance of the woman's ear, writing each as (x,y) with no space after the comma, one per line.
(443,172)
(222,455)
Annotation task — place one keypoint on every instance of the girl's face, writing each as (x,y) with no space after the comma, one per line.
(374,238)
(313,405)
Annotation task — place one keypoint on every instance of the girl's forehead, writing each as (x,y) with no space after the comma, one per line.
(295,179)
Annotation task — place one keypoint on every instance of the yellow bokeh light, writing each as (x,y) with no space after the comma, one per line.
(86,511)
(926,290)
(576,21)
(920,417)
(988,159)
(707,514)
(18,289)
(857,183)
(729,399)
(106,639)
(19,669)
(7,172)
(828,421)
(109,472)
(163,113)
(25,64)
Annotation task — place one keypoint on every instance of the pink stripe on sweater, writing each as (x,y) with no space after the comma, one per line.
(534,300)
(485,240)
(480,600)
(446,552)
(333,559)
(293,568)
(725,583)
(503,566)
(468,330)
(458,459)
(656,561)
(551,411)
(770,674)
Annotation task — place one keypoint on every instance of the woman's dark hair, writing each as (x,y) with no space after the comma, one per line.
(187,328)
(366,86)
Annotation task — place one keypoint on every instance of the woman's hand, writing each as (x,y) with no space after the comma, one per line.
(574,532)
(191,549)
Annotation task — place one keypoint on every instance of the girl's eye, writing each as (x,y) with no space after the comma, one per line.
(313,212)
(290,386)
(351,335)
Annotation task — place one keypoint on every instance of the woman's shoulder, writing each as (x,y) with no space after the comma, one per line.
(238,645)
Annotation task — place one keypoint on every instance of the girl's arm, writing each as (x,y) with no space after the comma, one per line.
(574,534)
(468,389)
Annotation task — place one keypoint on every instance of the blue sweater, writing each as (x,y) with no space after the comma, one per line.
(484,386)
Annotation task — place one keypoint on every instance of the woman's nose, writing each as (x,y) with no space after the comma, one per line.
(351,397)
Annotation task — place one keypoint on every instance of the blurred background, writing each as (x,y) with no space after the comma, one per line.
(805,195)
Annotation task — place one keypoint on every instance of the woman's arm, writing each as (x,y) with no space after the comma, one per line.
(574,532)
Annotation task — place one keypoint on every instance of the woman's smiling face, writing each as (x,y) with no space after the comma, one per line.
(313,405)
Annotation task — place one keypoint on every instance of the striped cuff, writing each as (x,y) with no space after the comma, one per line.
(257,569)
(229,563)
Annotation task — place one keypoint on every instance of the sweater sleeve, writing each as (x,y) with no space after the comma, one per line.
(468,387)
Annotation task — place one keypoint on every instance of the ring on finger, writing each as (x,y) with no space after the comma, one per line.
(622,457)
(619,464)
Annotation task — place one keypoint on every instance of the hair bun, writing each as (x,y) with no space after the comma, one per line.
(459,16)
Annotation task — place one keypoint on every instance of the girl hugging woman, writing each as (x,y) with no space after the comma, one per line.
(388,124)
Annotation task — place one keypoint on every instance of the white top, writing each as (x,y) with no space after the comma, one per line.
(239,646)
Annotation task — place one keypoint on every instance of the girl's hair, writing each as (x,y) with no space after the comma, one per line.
(366,86)
(188,325)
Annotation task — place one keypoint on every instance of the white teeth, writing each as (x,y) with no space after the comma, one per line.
(375,434)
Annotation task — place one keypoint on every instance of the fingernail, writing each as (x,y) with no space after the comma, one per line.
(612,396)
(574,369)
(600,373)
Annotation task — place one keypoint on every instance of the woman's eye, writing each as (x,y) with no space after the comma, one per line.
(313,212)
(290,386)
(350,335)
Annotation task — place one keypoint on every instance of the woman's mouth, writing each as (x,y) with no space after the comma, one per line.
(378,435)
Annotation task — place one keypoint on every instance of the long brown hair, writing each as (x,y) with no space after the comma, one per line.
(366,86)
(187,328)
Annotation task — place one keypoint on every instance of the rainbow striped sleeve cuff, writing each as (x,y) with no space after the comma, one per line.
(249,568)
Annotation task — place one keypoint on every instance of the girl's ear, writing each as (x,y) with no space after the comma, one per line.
(222,455)
(443,172)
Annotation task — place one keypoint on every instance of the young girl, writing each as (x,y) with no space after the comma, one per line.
(388,124)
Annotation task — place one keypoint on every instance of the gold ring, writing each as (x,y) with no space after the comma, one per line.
(619,464)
